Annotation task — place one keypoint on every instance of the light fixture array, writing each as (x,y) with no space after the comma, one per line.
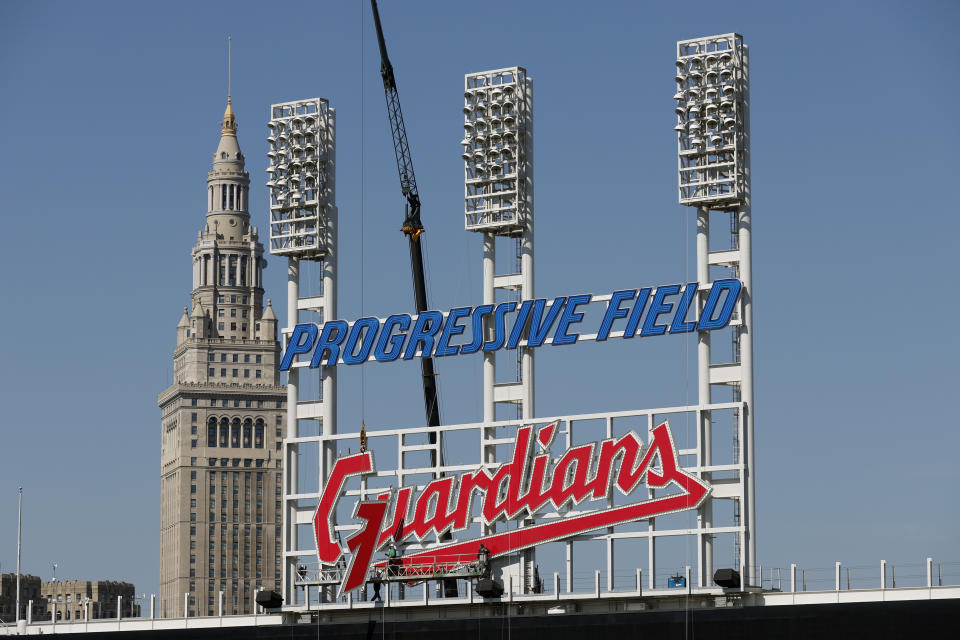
(712,99)
(497,132)
(301,156)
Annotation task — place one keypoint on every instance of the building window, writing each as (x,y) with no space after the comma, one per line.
(244,299)
(220,326)
(246,357)
(211,371)
(220,299)
(233,299)
(246,373)
(249,403)
(258,435)
(247,433)
(235,373)
(193,402)
(233,314)
(244,314)
(236,357)
(223,372)
(258,373)
(243,327)
(193,417)
(193,429)
(211,357)
(220,313)
(212,432)
(233,326)
(235,433)
(213,402)
(279,404)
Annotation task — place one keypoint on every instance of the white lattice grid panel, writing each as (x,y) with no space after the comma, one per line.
(497,130)
(403,458)
(712,108)
(301,167)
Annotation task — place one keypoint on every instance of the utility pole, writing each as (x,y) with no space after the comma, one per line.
(19,517)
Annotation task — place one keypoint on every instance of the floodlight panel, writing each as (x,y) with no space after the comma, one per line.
(302,176)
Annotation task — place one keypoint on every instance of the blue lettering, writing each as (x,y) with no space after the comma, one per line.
(477,319)
(368,327)
(427,326)
(395,342)
(657,308)
(334,332)
(538,330)
(614,311)
(499,331)
(570,316)
(638,307)
(450,329)
(519,324)
(295,347)
(678,325)
(707,321)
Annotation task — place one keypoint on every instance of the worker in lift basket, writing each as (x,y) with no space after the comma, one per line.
(393,560)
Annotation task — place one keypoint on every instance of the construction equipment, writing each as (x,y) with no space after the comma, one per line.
(412,226)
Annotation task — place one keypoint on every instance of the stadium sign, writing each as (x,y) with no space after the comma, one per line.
(534,323)
(530,483)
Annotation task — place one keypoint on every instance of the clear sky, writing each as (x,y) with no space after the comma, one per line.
(109,114)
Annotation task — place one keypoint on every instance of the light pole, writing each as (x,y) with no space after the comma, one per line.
(19,519)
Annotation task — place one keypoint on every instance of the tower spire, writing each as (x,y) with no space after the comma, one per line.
(229,119)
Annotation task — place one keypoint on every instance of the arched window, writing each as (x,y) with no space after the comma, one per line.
(247,435)
(258,435)
(212,432)
(235,433)
(224,432)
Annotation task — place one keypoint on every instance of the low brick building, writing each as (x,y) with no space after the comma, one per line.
(29,590)
(69,597)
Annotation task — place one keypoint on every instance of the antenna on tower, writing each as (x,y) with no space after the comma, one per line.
(229,70)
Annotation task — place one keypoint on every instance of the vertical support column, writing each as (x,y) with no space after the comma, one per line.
(328,375)
(526,251)
(610,564)
(569,566)
(489,360)
(745,229)
(288,530)
(153,605)
(705,569)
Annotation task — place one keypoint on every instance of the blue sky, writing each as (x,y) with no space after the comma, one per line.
(110,114)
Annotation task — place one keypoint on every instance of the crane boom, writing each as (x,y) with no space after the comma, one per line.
(412,226)
(401,148)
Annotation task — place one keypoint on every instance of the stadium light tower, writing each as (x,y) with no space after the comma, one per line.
(713,150)
(303,228)
(498,202)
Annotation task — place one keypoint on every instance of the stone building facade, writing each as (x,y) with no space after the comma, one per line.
(29,590)
(66,599)
(223,419)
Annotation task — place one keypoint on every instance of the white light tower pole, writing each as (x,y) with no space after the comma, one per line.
(498,202)
(713,139)
(19,523)
(303,228)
